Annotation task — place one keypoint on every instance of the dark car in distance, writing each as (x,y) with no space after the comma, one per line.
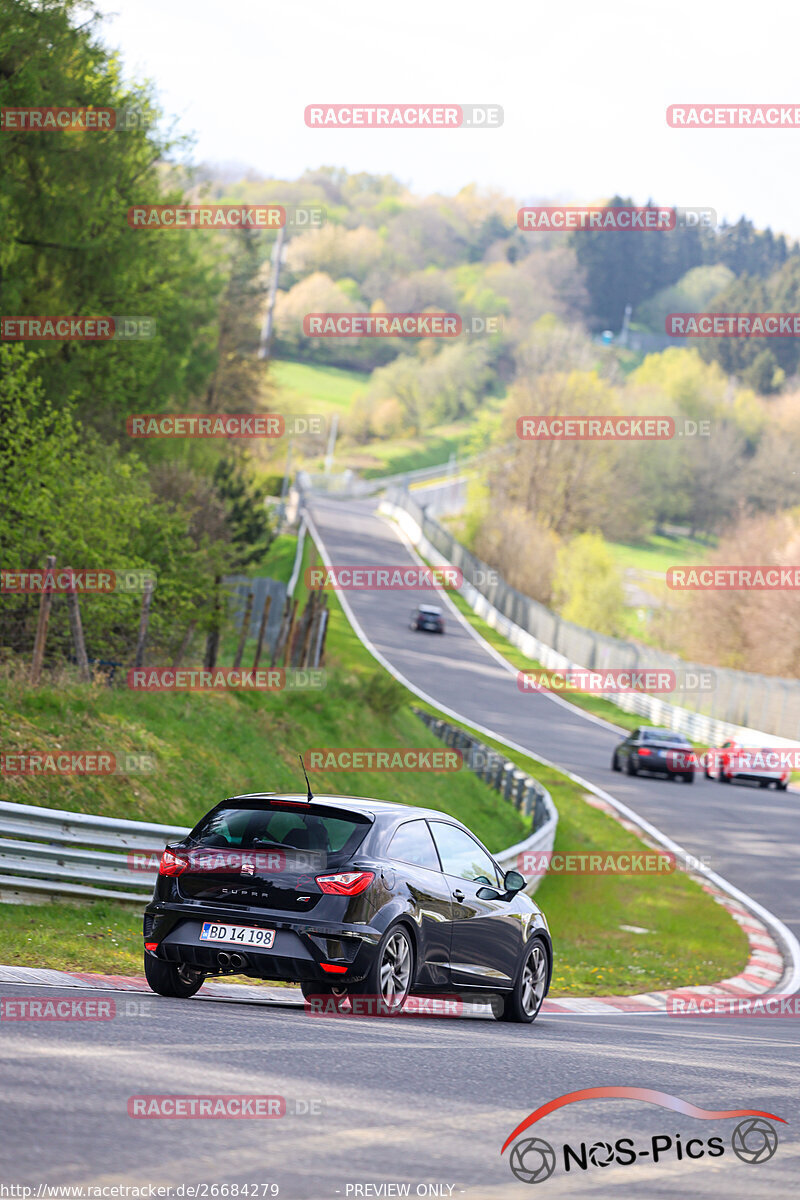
(347,897)
(657,752)
(428,617)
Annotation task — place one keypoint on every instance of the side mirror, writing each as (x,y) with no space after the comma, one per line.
(513,881)
(488,893)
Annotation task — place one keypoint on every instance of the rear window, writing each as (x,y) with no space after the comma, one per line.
(323,830)
(663,735)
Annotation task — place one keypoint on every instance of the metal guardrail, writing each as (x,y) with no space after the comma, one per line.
(53,852)
(523,791)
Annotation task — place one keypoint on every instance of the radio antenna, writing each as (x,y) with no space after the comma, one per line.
(308,785)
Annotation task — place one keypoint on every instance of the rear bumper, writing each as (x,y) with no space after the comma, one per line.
(758,776)
(299,954)
(663,766)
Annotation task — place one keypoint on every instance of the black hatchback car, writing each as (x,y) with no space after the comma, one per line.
(428,617)
(346,897)
(658,751)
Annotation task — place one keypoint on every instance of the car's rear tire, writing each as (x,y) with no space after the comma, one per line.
(329,990)
(630,767)
(391,973)
(171,979)
(782,786)
(722,777)
(523,1002)
(763,783)
(688,776)
(615,763)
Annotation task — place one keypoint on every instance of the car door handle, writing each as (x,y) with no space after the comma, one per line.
(458,894)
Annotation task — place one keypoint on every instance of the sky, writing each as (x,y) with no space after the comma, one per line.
(584,87)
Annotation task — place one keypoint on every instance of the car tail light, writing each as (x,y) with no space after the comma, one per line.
(171,864)
(151,945)
(332,969)
(643,750)
(348,883)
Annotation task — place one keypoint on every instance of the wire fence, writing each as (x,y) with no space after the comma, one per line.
(738,698)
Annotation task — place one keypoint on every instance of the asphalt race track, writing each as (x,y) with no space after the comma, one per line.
(373,1105)
(422,1101)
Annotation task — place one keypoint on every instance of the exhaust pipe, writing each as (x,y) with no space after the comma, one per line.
(224,959)
(237,961)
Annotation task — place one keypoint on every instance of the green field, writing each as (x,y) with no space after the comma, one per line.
(659,553)
(314,388)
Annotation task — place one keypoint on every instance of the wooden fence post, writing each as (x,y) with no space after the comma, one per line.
(287,645)
(212,637)
(76,628)
(184,646)
(281,632)
(248,609)
(262,629)
(144,621)
(304,632)
(41,627)
(326,613)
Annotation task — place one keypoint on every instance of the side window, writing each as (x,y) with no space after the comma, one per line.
(412,843)
(462,856)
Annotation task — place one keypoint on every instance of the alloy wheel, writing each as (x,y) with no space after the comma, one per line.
(534,980)
(395,970)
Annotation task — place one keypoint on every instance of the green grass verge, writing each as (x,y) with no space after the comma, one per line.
(314,388)
(209,746)
(659,553)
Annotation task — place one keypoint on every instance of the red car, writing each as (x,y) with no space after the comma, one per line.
(734,761)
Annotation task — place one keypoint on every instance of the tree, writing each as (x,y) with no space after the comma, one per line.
(587,585)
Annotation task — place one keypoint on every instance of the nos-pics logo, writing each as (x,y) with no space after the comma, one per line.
(532,1160)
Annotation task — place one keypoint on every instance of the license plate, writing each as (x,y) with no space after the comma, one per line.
(242,935)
